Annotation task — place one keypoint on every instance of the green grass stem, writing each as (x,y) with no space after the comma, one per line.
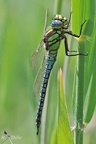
(78,137)
(58,6)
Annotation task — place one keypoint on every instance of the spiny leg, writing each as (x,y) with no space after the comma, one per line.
(75,35)
(67,50)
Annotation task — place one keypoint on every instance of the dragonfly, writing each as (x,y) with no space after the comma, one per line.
(51,40)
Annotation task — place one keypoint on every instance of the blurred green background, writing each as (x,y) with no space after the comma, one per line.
(21,29)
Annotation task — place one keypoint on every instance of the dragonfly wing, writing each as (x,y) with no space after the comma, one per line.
(39,78)
(35,55)
(46,22)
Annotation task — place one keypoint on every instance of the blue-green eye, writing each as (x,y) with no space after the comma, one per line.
(56,23)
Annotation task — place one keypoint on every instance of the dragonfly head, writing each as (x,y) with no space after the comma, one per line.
(59,22)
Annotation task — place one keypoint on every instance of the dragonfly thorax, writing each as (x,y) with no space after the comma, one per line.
(59,22)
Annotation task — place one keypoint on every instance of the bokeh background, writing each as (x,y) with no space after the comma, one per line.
(21,29)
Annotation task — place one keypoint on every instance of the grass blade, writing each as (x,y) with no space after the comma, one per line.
(64,133)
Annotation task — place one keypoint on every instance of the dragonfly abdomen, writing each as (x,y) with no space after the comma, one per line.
(50,62)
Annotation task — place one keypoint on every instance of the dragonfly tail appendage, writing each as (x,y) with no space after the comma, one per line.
(50,62)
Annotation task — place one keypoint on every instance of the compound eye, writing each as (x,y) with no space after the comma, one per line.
(56,23)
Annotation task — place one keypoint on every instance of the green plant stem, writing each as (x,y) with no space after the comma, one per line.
(58,6)
(78,136)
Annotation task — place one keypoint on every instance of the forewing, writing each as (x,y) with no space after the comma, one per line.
(35,55)
(39,78)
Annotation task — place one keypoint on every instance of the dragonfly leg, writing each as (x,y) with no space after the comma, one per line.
(37,131)
(75,35)
(67,50)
